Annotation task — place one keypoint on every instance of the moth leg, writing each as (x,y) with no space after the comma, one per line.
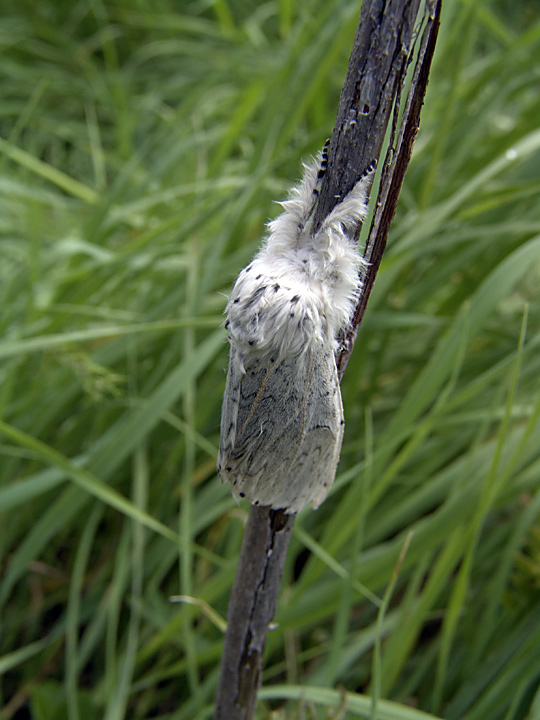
(299,207)
(352,210)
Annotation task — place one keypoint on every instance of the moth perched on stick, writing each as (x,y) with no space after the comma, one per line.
(253,452)
(282,418)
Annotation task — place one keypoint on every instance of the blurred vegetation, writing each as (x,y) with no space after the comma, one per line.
(142,146)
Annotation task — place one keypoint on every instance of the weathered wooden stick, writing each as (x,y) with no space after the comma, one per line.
(251,608)
(375,77)
(375,73)
(395,166)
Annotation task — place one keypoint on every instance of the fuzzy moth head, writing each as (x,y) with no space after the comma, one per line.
(302,287)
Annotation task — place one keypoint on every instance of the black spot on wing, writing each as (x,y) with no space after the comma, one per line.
(255,296)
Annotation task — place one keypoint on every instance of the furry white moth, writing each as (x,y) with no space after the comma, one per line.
(282,418)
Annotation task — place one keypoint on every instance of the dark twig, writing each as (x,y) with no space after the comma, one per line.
(251,608)
(375,77)
(395,166)
(375,74)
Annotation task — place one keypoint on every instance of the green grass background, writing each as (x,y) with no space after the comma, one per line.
(142,146)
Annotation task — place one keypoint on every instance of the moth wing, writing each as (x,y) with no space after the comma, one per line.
(313,470)
(250,421)
(229,414)
(282,427)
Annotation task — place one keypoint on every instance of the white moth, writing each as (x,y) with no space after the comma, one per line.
(282,418)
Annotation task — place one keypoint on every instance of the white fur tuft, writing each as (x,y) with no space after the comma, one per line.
(301,287)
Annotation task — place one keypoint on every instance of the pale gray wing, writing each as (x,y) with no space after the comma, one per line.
(282,426)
